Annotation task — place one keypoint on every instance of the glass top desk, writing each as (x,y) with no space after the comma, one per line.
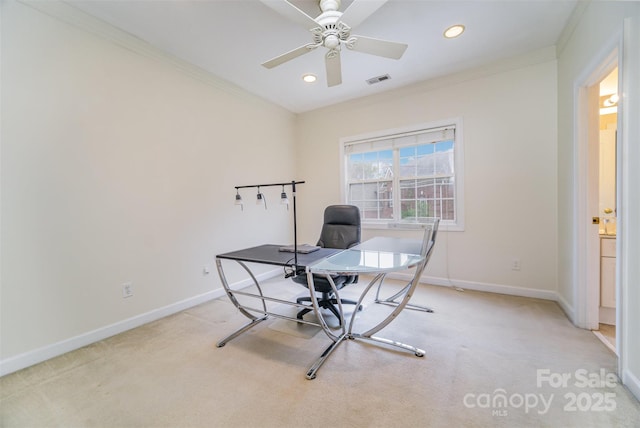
(363,259)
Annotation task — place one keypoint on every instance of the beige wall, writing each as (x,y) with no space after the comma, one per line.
(118,166)
(509,127)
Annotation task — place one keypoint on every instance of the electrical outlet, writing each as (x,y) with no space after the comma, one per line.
(127,290)
(515,264)
(206,270)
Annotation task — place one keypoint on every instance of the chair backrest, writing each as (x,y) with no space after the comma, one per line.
(341,228)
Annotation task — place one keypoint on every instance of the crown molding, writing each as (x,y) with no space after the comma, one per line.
(571,25)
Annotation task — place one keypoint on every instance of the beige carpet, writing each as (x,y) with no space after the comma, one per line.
(491,361)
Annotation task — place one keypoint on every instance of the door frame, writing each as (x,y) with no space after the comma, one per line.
(586,156)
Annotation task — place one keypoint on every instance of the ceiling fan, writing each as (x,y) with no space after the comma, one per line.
(332,29)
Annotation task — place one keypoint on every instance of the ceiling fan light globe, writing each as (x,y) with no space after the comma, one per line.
(331,41)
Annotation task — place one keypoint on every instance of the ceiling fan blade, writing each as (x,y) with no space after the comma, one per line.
(360,10)
(289,55)
(334,70)
(291,12)
(377,47)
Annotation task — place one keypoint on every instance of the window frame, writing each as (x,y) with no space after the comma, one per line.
(458,153)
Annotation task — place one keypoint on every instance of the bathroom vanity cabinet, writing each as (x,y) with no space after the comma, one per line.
(607,279)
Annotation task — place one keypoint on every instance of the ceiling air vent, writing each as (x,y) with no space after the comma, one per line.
(378,79)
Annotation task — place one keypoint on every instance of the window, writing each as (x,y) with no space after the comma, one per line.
(423,166)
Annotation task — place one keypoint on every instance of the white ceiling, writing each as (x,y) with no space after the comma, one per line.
(232,38)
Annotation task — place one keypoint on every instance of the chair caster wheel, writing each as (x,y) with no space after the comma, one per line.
(419,354)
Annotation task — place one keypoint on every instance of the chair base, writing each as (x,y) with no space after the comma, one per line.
(327,301)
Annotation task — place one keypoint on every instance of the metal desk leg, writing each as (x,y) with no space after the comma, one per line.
(369,334)
(311,373)
(241,330)
(391,301)
(336,339)
(254,320)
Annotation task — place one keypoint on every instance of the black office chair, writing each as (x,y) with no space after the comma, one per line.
(341,229)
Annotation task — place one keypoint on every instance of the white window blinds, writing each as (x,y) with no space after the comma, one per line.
(413,138)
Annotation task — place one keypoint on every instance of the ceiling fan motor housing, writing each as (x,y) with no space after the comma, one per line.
(331,32)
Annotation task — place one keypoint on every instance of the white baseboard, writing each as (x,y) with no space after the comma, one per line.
(481,286)
(30,358)
(567,308)
(631,382)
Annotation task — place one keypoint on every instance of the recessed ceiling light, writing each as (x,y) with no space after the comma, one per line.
(309,78)
(454,31)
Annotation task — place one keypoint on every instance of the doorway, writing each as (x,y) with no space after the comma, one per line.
(607,207)
(595,216)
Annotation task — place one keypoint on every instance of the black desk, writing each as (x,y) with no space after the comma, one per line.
(270,254)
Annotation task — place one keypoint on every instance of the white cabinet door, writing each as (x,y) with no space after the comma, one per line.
(608,282)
